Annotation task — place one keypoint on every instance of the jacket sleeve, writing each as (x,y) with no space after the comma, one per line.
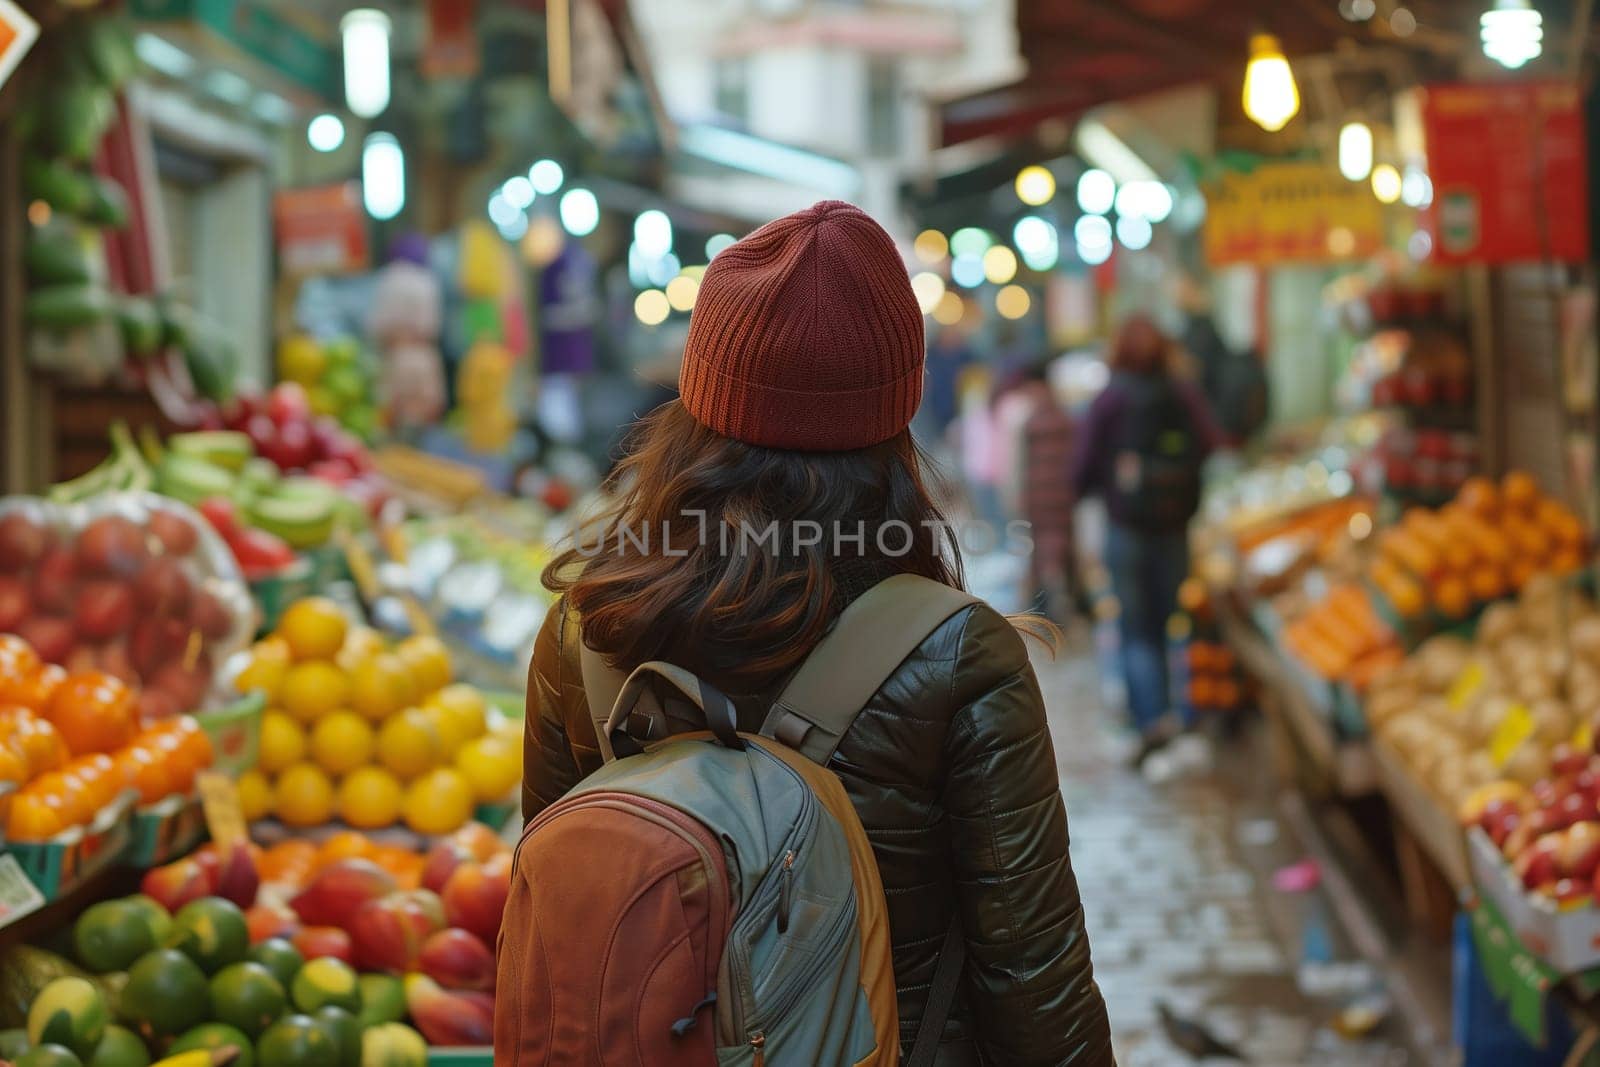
(1029,980)
(549,766)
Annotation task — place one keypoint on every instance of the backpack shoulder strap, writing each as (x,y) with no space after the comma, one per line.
(602,684)
(872,637)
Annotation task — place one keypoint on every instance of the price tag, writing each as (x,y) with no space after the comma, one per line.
(1514,729)
(1466,686)
(18,894)
(17,34)
(219,798)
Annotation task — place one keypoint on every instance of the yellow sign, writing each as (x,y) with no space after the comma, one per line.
(219,799)
(1514,729)
(1466,686)
(1291,213)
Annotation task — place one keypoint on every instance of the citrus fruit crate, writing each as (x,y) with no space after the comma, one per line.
(465,1056)
(58,866)
(165,830)
(235,732)
(312,573)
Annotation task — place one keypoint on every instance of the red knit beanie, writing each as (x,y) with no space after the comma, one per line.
(806,336)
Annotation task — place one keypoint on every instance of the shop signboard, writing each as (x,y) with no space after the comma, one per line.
(451,47)
(320,229)
(261,31)
(1509,170)
(1290,213)
(17,34)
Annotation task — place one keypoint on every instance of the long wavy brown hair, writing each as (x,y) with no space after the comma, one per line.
(651,579)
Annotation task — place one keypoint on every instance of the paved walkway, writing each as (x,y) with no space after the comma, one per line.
(1177,887)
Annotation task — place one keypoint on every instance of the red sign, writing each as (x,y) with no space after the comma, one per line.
(321,230)
(1510,174)
(450,49)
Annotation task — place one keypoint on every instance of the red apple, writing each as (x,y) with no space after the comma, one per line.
(177,534)
(177,883)
(1575,807)
(1568,762)
(475,896)
(1537,863)
(289,405)
(1579,854)
(112,546)
(102,609)
(16,603)
(270,920)
(51,637)
(336,892)
(54,581)
(457,960)
(263,434)
(237,878)
(207,615)
(162,588)
(388,934)
(155,642)
(440,863)
(317,941)
(449,1017)
(293,448)
(221,513)
(1571,893)
(22,541)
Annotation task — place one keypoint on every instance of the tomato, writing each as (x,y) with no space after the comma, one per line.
(39,742)
(17,658)
(35,690)
(94,712)
(33,817)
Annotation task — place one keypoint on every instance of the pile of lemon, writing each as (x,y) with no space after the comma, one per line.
(370,734)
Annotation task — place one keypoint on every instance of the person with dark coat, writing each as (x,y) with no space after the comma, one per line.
(801,374)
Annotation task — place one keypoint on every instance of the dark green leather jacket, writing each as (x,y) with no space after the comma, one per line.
(951,769)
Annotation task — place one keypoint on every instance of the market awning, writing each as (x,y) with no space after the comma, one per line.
(1082,55)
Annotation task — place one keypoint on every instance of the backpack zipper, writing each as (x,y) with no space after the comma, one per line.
(786,892)
(758,1041)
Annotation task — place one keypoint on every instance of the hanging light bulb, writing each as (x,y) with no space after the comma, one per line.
(1271,97)
(1512,33)
(1386,183)
(365,34)
(1355,151)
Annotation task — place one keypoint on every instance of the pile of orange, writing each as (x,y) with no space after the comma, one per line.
(295,861)
(1213,682)
(1342,638)
(1483,545)
(71,743)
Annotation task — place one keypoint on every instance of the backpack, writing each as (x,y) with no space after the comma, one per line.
(1242,395)
(709,898)
(1156,457)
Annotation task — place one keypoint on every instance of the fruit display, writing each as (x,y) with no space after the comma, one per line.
(1341,638)
(151,982)
(369,734)
(1488,542)
(132,585)
(1465,713)
(338,377)
(385,932)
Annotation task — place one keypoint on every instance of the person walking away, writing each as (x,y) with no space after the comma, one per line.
(802,370)
(1045,444)
(947,362)
(1144,441)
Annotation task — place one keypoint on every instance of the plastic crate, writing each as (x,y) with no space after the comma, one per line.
(235,732)
(58,866)
(165,830)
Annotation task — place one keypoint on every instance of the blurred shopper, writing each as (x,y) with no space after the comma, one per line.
(1042,439)
(1144,441)
(948,359)
(803,368)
